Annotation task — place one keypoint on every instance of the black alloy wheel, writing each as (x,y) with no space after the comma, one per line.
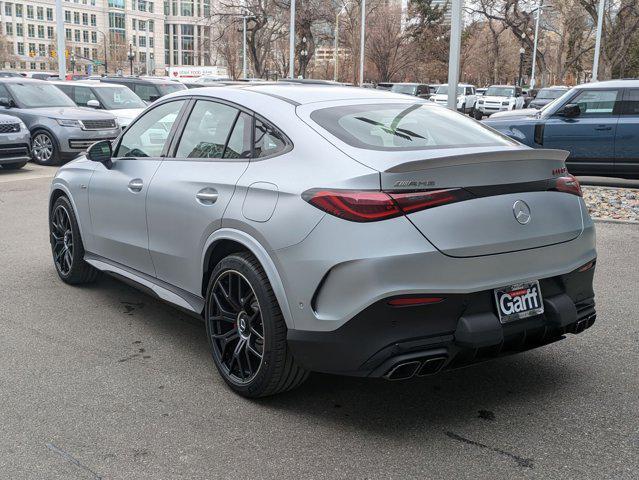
(62,240)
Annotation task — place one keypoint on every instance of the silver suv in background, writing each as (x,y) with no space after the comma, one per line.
(14,143)
(59,129)
(117,100)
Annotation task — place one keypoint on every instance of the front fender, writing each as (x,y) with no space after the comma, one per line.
(262,256)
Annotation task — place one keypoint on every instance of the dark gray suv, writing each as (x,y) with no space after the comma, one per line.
(59,129)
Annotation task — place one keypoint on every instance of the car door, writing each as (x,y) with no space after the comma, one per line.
(627,135)
(117,195)
(193,186)
(590,136)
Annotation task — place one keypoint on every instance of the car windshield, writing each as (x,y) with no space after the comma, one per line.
(500,92)
(405,126)
(549,94)
(409,89)
(116,98)
(166,88)
(443,90)
(38,94)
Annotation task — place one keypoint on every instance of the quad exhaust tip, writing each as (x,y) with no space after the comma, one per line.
(420,367)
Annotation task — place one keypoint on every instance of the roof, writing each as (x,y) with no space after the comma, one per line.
(622,83)
(302,94)
(21,80)
(115,79)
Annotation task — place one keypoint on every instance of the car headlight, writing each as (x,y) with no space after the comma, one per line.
(22,125)
(63,122)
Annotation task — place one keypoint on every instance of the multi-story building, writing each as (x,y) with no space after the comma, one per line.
(172,33)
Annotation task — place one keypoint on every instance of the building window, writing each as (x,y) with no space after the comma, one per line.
(19,30)
(50,14)
(94,37)
(134,41)
(20,48)
(76,18)
(40,31)
(117,24)
(85,52)
(85,36)
(150,7)
(134,24)
(116,4)
(186,8)
(142,41)
(151,42)
(8,9)
(142,56)
(67,32)
(8,28)
(32,49)
(42,50)
(67,16)
(31,31)
(85,19)
(40,13)
(94,53)
(30,11)
(142,25)
(50,32)
(150,25)
(18,10)
(76,35)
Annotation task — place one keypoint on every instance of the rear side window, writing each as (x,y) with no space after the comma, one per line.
(631,102)
(239,144)
(405,126)
(268,140)
(207,130)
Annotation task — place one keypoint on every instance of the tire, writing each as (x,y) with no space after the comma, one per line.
(478,115)
(44,148)
(66,245)
(243,319)
(13,166)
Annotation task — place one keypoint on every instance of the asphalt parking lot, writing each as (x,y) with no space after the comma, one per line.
(106,382)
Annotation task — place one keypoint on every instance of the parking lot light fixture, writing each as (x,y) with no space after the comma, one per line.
(455,52)
(595,63)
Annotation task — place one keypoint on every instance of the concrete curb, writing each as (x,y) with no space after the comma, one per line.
(614,220)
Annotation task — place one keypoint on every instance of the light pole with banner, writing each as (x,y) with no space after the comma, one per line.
(362,41)
(291,43)
(61,36)
(595,63)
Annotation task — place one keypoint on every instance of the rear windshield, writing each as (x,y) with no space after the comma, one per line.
(500,92)
(405,126)
(549,94)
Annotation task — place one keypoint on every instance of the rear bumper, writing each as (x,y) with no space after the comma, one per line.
(396,343)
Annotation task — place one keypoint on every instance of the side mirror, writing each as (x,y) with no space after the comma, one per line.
(101,152)
(93,104)
(6,102)
(571,110)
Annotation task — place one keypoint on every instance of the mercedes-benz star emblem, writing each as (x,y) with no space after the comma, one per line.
(521,210)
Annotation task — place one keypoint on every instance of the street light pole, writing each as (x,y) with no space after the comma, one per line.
(61,37)
(534,59)
(335,56)
(291,43)
(244,48)
(522,50)
(455,52)
(361,44)
(595,63)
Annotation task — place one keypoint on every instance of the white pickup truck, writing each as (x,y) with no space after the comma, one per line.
(499,98)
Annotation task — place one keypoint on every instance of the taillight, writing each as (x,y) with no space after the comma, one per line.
(415,201)
(567,184)
(371,206)
(356,206)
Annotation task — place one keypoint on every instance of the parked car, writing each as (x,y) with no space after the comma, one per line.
(499,98)
(5,74)
(332,229)
(384,86)
(118,100)
(597,122)
(420,90)
(149,89)
(529,95)
(59,129)
(547,95)
(15,142)
(466,98)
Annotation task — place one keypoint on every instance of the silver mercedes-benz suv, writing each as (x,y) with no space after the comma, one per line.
(332,229)
(59,129)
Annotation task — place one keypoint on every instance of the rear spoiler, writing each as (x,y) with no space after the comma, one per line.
(481,157)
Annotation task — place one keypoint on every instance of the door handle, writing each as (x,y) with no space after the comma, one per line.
(207,196)
(136,185)
(602,128)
